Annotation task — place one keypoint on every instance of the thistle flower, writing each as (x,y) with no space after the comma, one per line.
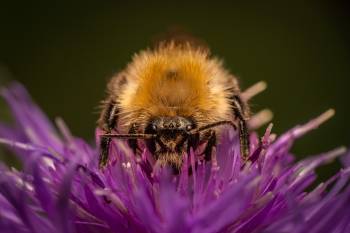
(61,188)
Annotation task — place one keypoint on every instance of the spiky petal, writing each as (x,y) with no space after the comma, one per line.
(61,188)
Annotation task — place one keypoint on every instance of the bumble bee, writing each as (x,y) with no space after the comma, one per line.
(173,97)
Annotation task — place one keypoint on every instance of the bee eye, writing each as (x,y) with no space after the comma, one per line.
(154,127)
(188,127)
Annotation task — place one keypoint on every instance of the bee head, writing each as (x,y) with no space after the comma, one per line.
(172,137)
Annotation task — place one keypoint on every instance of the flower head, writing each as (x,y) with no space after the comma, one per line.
(61,188)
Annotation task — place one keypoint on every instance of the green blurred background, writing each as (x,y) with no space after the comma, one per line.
(64,53)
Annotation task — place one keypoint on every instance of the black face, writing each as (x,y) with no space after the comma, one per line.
(173,138)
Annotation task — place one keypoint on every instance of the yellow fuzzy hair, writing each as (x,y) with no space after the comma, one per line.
(174,80)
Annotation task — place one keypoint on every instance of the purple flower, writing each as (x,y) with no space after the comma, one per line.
(62,190)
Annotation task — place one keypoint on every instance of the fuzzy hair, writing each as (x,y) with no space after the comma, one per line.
(173,80)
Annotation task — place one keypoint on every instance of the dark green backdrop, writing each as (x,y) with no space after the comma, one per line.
(64,53)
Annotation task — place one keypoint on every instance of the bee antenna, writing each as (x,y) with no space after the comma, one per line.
(213,125)
(129,136)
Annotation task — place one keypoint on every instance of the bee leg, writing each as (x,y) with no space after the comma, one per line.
(108,121)
(210,144)
(193,142)
(240,114)
(133,142)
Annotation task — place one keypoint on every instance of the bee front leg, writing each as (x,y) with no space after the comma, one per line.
(133,142)
(107,122)
(240,112)
(211,143)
